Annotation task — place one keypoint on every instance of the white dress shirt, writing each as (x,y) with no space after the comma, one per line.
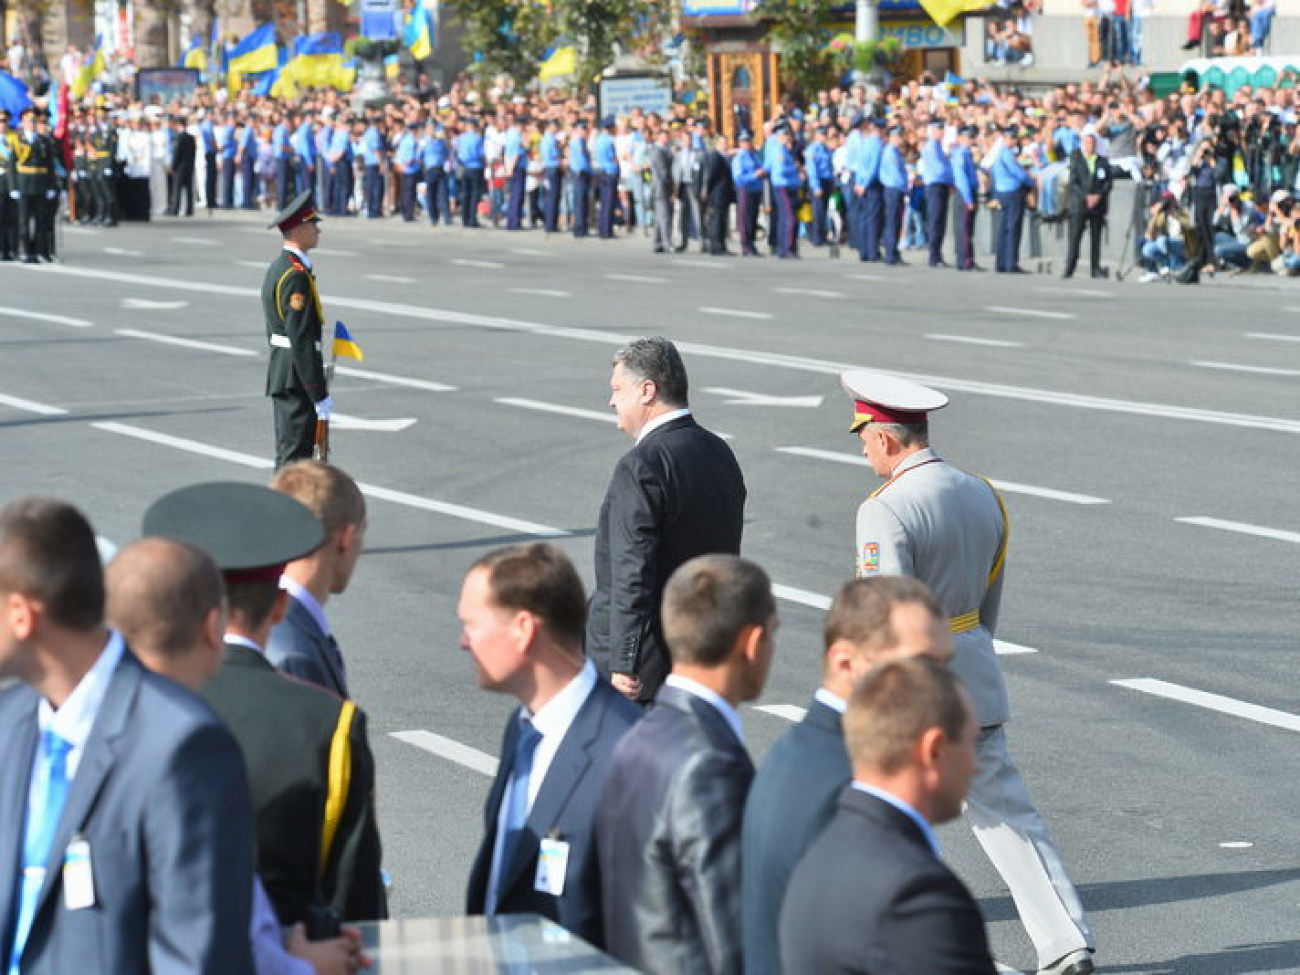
(720,703)
(659,421)
(310,603)
(74,721)
(301,254)
(837,704)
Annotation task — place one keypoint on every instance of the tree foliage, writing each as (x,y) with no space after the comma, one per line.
(802,29)
(505,37)
(601,29)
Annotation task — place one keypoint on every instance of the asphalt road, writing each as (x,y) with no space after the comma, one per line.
(1147,440)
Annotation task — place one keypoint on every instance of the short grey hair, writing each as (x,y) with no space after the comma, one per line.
(909,434)
(657,360)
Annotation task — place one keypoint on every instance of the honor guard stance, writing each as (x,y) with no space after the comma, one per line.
(295,377)
(34,157)
(8,192)
(949,529)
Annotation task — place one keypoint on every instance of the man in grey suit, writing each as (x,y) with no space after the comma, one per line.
(949,529)
(677,494)
(303,644)
(795,790)
(661,191)
(872,894)
(522,611)
(688,160)
(126,827)
(668,822)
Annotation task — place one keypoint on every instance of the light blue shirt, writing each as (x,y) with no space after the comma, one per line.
(893,168)
(926,829)
(579,157)
(304,145)
(817,162)
(964,175)
(745,167)
(514,145)
(783,171)
(550,151)
(605,153)
(469,149)
(1008,175)
(372,146)
(75,719)
(434,152)
(866,164)
(936,167)
(405,156)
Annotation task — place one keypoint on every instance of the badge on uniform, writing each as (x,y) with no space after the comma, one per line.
(298,302)
(869,561)
(552,865)
(78,877)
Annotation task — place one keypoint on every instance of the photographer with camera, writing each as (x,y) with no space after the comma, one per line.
(1170,243)
(1278,230)
(1236,225)
(1203,186)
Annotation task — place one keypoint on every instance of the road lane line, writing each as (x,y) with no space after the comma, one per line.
(1081,292)
(1031,313)
(1241,528)
(468,262)
(132,333)
(1273,337)
(735,313)
(688,262)
(451,750)
(260,264)
(865,277)
(1213,702)
(123,252)
(330,252)
(383,377)
(541,292)
(391,278)
(791,712)
(971,340)
(533,404)
(809,292)
(40,316)
(30,406)
(529,251)
(772,359)
(181,443)
(196,241)
(636,278)
(1240,367)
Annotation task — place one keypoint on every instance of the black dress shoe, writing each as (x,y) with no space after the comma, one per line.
(1069,274)
(1017,270)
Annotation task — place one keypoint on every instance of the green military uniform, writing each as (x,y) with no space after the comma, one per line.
(103,156)
(34,154)
(8,205)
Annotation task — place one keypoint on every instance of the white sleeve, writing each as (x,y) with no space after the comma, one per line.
(883,547)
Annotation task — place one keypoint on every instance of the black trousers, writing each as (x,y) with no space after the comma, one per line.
(182,184)
(30,206)
(210,179)
(1093,221)
(295,426)
(9,248)
(715,224)
(471,192)
(936,213)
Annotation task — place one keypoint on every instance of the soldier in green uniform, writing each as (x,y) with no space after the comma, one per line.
(8,193)
(310,769)
(35,161)
(295,378)
(103,154)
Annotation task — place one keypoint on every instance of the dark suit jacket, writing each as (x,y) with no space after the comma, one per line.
(677,494)
(299,647)
(870,896)
(182,160)
(791,801)
(668,837)
(565,804)
(161,799)
(717,187)
(286,730)
(1082,183)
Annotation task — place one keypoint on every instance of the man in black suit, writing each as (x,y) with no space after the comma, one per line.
(677,494)
(872,895)
(310,768)
(794,793)
(181,169)
(718,193)
(668,823)
(303,644)
(1088,196)
(522,611)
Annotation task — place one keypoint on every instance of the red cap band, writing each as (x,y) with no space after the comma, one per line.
(298,219)
(264,573)
(883,414)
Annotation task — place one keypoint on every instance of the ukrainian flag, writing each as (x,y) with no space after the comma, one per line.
(194,56)
(942,12)
(255,53)
(420,33)
(564,61)
(344,345)
(91,70)
(317,60)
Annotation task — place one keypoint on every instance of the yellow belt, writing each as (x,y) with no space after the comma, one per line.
(965,622)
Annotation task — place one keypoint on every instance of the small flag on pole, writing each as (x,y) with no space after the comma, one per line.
(344,345)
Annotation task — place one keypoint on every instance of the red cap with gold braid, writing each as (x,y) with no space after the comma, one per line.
(881,398)
(297,213)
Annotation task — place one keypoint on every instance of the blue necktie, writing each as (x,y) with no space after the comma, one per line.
(49,792)
(515,801)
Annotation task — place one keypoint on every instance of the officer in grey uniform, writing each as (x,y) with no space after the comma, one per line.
(949,529)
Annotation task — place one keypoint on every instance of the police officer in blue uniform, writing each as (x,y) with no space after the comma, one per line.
(870,193)
(340,162)
(472,161)
(937,175)
(372,160)
(1011,184)
(783,173)
(303,142)
(966,183)
(552,176)
(605,161)
(748,174)
(406,169)
(434,153)
(821,181)
(516,160)
(893,180)
(282,152)
(580,170)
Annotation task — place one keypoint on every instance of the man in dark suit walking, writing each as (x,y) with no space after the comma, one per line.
(303,644)
(872,895)
(794,793)
(677,494)
(718,193)
(522,610)
(126,831)
(668,823)
(1088,198)
(181,170)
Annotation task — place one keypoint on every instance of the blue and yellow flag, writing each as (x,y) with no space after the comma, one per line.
(91,70)
(942,12)
(255,53)
(344,345)
(421,31)
(317,60)
(562,61)
(195,56)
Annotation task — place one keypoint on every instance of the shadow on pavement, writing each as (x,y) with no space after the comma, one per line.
(473,543)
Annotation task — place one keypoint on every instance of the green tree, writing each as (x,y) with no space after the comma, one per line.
(802,31)
(505,37)
(603,28)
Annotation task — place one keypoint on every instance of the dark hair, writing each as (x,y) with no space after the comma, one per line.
(862,610)
(160,592)
(538,578)
(48,553)
(657,360)
(253,599)
(706,604)
(896,703)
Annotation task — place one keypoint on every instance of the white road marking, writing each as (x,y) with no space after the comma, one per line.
(123,252)
(1031,312)
(1004,970)
(637,278)
(528,251)
(40,316)
(735,313)
(383,377)
(1239,367)
(772,359)
(688,262)
(181,443)
(1294,308)
(30,406)
(540,292)
(1213,702)
(260,264)
(1011,487)
(342,421)
(791,712)
(391,278)
(1081,292)
(1242,528)
(132,333)
(1273,337)
(738,397)
(533,404)
(145,304)
(196,241)
(446,748)
(972,340)
(1236,845)
(809,292)
(467,262)
(1004,649)
(330,252)
(864,277)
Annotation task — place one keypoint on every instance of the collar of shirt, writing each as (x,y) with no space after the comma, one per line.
(720,703)
(915,460)
(659,421)
(553,721)
(74,720)
(301,254)
(830,700)
(926,829)
(243,641)
(304,595)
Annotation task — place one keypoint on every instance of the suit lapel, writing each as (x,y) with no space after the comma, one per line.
(19,734)
(328,648)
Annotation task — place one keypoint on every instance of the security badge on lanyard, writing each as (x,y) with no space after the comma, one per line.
(78,878)
(552,865)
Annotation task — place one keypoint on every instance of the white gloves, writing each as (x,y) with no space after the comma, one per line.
(324,408)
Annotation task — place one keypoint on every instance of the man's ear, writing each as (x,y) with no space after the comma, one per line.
(281,607)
